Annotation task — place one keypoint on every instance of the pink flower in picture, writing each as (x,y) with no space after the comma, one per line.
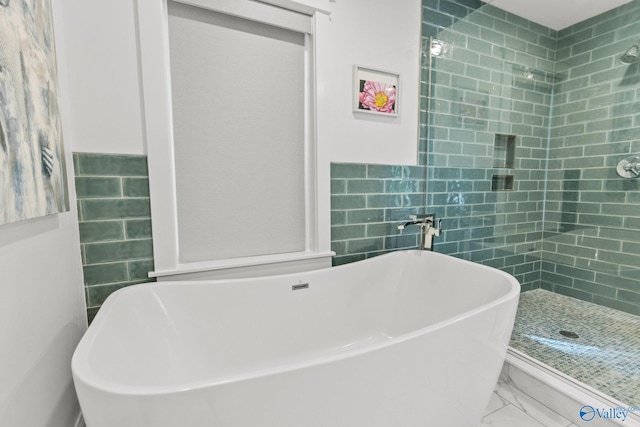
(380,97)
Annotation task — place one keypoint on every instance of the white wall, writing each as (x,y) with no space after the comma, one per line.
(104,78)
(42,310)
(382,34)
(104,89)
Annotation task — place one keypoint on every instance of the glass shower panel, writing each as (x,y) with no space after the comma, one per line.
(522,129)
(531,138)
(487,138)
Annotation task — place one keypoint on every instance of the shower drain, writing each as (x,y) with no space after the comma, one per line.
(569,334)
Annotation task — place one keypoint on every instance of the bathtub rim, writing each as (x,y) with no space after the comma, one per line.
(83,372)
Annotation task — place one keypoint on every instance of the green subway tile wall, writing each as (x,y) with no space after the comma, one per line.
(368,202)
(494,84)
(592,215)
(115,223)
(570,223)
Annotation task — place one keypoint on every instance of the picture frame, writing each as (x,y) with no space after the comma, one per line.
(376,91)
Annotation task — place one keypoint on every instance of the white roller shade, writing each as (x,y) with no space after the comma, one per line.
(238,117)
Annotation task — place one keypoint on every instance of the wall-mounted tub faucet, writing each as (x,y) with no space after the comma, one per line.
(428,229)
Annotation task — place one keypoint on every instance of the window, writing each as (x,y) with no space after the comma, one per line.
(233,176)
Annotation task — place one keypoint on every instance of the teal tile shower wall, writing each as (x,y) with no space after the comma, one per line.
(495,84)
(115,223)
(592,229)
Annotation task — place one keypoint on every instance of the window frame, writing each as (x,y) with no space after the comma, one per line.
(156,90)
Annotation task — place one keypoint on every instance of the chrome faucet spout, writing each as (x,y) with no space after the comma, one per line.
(427,229)
(427,223)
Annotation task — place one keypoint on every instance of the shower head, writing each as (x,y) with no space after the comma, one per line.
(632,54)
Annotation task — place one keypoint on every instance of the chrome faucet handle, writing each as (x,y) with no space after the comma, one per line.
(629,167)
(438,230)
(633,168)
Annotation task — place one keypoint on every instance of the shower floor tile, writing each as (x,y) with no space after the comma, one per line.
(606,353)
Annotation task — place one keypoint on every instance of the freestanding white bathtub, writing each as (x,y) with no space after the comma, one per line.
(405,339)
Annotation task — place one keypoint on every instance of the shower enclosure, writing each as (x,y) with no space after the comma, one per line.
(531,139)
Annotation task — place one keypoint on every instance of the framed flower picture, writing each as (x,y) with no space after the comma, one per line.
(375,91)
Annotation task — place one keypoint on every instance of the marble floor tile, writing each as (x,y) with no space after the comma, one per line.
(495,403)
(510,407)
(509,416)
(530,406)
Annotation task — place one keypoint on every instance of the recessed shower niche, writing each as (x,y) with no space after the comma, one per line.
(504,151)
(502,182)
(504,157)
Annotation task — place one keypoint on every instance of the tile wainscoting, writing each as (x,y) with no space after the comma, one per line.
(115,223)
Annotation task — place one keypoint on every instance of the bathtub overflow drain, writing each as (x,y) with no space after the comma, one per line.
(569,334)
